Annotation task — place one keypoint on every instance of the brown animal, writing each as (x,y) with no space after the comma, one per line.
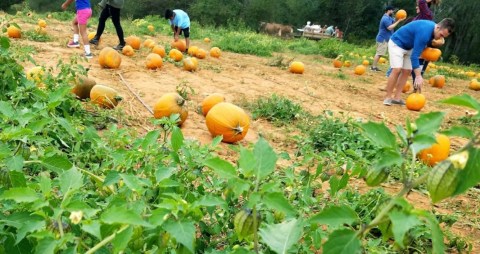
(276,29)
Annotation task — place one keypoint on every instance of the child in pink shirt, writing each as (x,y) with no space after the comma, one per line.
(79,23)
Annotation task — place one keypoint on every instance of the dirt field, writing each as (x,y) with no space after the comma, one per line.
(246,77)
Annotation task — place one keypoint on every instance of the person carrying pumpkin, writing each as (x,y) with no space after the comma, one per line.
(79,24)
(405,47)
(180,23)
(110,8)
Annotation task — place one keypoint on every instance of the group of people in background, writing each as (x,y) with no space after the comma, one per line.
(406,45)
(328,30)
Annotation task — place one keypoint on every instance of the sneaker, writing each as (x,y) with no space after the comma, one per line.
(94,41)
(387,102)
(398,102)
(73,44)
(374,69)
(119,47)
(89,56)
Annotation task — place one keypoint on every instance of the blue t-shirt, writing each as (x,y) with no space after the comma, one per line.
(383,33)
(415,35)
(82,4)
(181,19)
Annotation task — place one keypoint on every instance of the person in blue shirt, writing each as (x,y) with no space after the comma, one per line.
(180,23)
(405,47)
(385,31)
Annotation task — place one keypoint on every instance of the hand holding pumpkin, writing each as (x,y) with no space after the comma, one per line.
(418,82)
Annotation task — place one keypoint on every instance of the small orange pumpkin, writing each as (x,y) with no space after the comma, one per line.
(179,44)
(337,63)
(210,101)
(109,58)
(407,87)
(431,54)
(437,81)
(365,62)
(176,55)
(206,39)
(91,35)
(190,64)
(474,85)
(42,23)
(149,43)
(104,96)
(347,64)
(154,61)
(296,67)
(360,69)
(83,86)
(159,50)
(415,101)
(128,50)
(151,28)
(227,120)
(401,14)
(133,41)
(215,52)
(438,43)
(14,32)
(437,152)
(201,54)
(169,104)
(192,51)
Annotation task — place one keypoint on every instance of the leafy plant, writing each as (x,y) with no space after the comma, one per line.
(277,109)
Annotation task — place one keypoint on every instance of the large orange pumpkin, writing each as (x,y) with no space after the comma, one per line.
(201,54)
(437,81)
(159,50)
(179,44)
(169,104)
(296,67)
(104,96)
(210,101)
(431,54)
(128,50)
(474,85)
(215,52)
(190,64)
(401,14)
(360,69)
(437,152)
(154,61)
(14,32)
(228,120)
(109,58)
(133,41)
(415,101)
(176,55)
(83,86)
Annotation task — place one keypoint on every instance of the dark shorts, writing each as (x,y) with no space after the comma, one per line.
(185,31)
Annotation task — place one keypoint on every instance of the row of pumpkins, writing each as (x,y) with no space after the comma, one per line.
(222,118)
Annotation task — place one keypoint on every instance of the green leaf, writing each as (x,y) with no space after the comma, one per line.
(6,109)
(342,241)
(335,216)
(184,232)
(379,134)
(281,237)
(221,167)
(463,100)
(93,228)
(265,159)
(150,139)
(402,222)
(14,163)
(209,200)
(246,162)
(120,242)
(337,184)
(132,182)
(158,216)
(239,186)
(28,226)
(389,158)
(122,215)
(459,131)
(421,142)
(57,163)
(46,246)
(17,179)
(4,42)
(277,201)
(177,138)
(67,126)
(437,234)
(470,175)
(163,172)
(20,195)
(71,180)
(429,123)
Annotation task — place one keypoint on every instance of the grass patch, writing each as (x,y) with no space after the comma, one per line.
(277,109)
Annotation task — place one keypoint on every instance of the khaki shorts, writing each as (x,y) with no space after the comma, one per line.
(399,58)
(381,48)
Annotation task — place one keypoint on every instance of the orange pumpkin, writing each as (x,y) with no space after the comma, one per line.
(179,44)
(337,63)
(14,32)
(431,54)
(42,23)
(201,54)
(151,28)
(215,52)
(347,64)
(401,14)
(36,74)
(210,101)
(133,41)
(471,74)
(109,58)
(365,62)
(154,61)
(360,70)
(407,87)
(227,120)
(437,81)
(83,86)
(91,35)
(190,64)
(169,104)
(128,50)
(415,101)
(149,43)
(104,96)
(437,152)
(438,43)
(296,67)
(192,50)
(382,60)
(159,50)
(176,55)
(207,40)
(474,85)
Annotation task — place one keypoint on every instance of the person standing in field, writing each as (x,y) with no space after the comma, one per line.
(79,24)
(405,47)
(110,8)
(180,23)
(385,31)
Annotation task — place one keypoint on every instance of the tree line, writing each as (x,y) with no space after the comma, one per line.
(358,19)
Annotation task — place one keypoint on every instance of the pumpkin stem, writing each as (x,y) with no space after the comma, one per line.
(238,130)
(180,101)
(118,98)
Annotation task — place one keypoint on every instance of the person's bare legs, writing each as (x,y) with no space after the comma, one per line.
(83,33)
(375,61)
(75,25)
(187,41)
(392,82)
(402,79)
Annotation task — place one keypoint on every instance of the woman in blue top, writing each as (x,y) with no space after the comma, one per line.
(180,23)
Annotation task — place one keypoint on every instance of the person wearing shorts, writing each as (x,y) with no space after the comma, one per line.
(385,31)
(79,24)
(405,47)
(180,23)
